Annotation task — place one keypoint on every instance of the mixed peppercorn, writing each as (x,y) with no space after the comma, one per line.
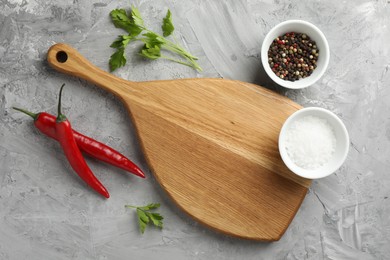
(293,56)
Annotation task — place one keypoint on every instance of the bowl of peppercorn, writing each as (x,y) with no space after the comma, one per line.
(295,54)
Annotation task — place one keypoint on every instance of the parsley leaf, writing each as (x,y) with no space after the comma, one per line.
(117,43)
(167,25)
(136,17)
(121,20)
(156,219)
(117,59)
(145,217)
(143,220)
(121,41)
(153,39)
(154,43)
(151,52)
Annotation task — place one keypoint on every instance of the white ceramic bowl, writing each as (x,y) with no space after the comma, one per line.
(342,143)
(315,34)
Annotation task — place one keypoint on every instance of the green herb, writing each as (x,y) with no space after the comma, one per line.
(117,59)
(154,43)
(145,217)
(167,25)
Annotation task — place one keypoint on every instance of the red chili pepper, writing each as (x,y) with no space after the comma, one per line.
(45,123)
(73,154)
(106,154)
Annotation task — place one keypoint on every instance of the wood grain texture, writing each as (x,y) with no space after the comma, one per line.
(212,144)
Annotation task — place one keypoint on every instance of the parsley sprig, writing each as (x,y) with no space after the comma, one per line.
(145,217)
(133,24)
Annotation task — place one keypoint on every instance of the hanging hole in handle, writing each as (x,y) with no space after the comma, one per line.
(62,56)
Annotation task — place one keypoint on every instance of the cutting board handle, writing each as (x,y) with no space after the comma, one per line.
(67,60)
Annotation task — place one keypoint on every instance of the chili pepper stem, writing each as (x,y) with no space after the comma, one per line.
(33,115)
(60,116)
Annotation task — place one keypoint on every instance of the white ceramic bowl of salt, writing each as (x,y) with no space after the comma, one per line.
(313,142)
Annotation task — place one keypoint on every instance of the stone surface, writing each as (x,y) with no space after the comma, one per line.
(48,213)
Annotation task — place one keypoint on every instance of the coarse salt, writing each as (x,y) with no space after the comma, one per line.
(310,142)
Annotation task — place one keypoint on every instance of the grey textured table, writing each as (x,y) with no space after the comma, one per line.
(48,213)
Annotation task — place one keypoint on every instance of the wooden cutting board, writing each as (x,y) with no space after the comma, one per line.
(212,144)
